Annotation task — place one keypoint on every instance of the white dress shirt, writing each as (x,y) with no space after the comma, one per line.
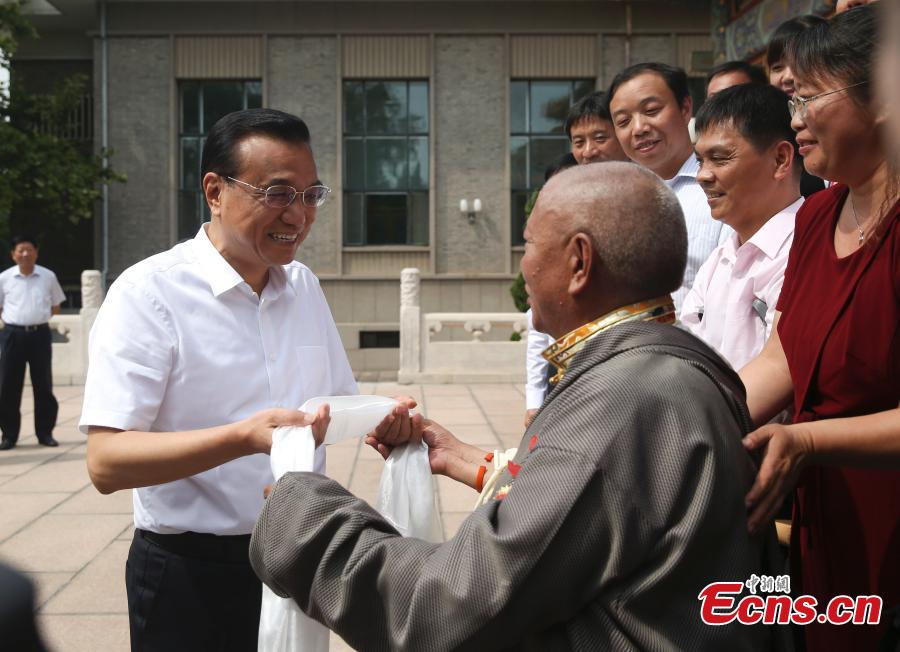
(182,342)
(720,309)
(535,366)
(703,232)
(29,300)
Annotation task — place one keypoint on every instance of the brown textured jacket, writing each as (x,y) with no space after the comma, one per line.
(631,501)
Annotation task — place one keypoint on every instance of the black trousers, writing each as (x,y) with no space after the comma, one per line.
(18,346)
(192,592)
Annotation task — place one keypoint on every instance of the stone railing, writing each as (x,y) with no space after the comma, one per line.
(70,342)
(473,359)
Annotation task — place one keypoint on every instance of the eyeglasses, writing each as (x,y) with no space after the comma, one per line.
(798,104)
(283,196)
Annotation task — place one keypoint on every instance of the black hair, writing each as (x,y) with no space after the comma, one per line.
(755,74)
(785,33)
(675,78)
(759,112)
(16,240)
(843,48)
(595,105)
(229,131)
(564,162)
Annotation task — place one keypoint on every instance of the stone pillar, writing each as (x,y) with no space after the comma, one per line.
(410,326)
(91,289)
(91,298)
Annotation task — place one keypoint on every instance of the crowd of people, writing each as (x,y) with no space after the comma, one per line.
(802,296)
(715,312)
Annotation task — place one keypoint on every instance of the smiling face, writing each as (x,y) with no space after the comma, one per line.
(650,124)
(735,175)
(593,139)
(249,234)
(838,138)
(781,77)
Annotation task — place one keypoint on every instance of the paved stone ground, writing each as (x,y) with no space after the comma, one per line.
(73,541)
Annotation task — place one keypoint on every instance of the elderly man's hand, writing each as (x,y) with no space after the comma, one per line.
(258,428)
(397,428)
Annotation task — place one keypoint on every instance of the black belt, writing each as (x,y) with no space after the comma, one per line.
(227,548)
(27,329)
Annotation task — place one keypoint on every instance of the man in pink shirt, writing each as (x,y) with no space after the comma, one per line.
(750,172)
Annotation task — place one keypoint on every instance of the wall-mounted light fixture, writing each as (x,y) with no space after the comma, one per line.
(470,213)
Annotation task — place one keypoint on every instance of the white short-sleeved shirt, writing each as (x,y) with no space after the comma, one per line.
(720,309)
(181,342)
(28,300)
(535,366)
(703,232)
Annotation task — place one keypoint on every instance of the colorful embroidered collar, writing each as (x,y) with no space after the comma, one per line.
(561,352)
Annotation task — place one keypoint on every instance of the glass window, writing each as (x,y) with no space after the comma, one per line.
(202,104)
(385,163)
(537,118)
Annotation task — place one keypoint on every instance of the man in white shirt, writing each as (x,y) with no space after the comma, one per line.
(750,172)
(651,108)
(29,295)
(197,354)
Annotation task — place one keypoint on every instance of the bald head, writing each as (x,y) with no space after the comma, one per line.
(634,222)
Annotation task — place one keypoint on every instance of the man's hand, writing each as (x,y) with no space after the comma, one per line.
(397,428)
(785,453)
(529,416)
(260,426)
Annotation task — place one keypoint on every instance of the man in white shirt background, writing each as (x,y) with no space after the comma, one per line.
(750,172)
(651,108)
(196,355)
(29,295)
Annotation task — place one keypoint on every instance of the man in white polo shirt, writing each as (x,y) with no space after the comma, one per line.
(196,355)
(29,295)
(651,107)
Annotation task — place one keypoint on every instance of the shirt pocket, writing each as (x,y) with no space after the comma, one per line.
(314,370)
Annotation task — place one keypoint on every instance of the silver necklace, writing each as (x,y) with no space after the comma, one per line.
(862,235)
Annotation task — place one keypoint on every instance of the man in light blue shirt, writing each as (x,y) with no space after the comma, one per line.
(651,108)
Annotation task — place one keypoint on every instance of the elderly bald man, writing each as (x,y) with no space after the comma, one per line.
(623,502)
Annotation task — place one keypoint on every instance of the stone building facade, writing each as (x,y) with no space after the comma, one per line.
(299,57)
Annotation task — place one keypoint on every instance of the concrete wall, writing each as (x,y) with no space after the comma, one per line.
(302,79)
(402,16)
(140,127)
(471,153)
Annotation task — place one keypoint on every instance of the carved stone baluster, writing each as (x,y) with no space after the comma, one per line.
(410,326)
(478,327)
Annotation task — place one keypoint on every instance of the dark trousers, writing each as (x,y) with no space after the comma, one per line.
(18,346)
(192,592)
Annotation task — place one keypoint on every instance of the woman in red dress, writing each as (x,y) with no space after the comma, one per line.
(835,350)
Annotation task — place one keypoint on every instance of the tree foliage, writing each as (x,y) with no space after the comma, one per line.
(46,176)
